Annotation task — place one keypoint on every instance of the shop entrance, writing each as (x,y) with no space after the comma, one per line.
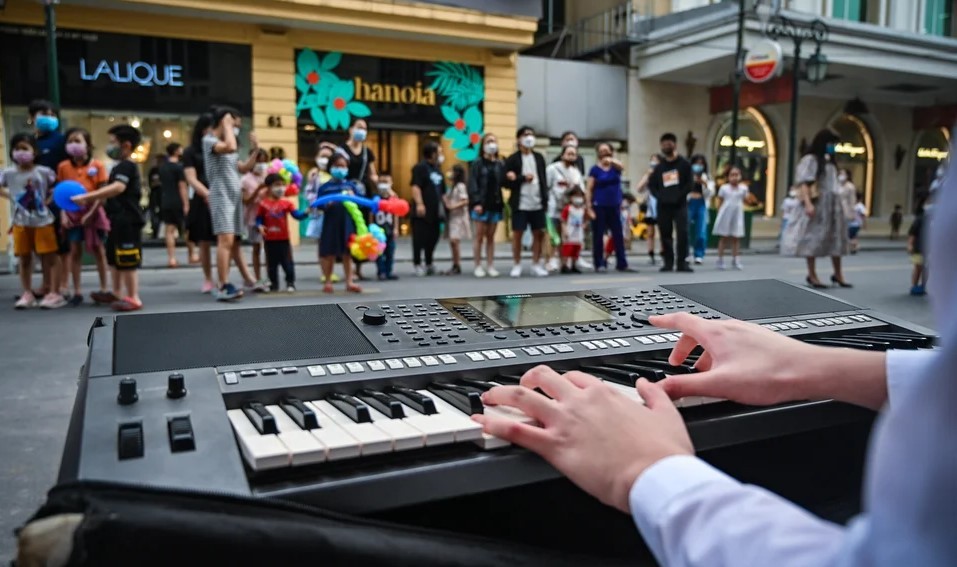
(933,147)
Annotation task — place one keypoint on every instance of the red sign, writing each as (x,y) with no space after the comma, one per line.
(774,91)
(763,62)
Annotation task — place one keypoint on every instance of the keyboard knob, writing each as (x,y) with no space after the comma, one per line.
(175,386)
(127,393)
(373,317)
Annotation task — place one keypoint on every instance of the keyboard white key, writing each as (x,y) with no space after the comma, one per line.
(303,447)
(261,452)
(338,443)
(404,436)
(436,428)
(372,440)
(465,428)
(626,391)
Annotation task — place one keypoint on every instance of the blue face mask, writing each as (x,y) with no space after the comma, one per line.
(47,124)
(359,135)
(339,172)
(831,149)
(697,168)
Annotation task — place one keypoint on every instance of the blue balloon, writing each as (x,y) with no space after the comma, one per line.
(290,165)
(63,195)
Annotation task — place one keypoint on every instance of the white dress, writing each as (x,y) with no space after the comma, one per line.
(730,219)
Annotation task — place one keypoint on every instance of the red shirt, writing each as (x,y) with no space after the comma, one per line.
(273,214)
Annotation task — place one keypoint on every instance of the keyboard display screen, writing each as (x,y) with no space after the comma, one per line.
(538,311)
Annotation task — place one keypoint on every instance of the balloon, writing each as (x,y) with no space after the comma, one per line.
(286,176)
(292,190)
(392,205)
(287,164)
(552,232)
(277,163)
(63,195)
(297,178)
(376,231)
(364,247)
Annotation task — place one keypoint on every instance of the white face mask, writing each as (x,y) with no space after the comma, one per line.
(322,162)
(578,201)
(528,141)
(572,143)
(236,131)
(261,168)
(491,148)
(842,178)
(278,191)
(440,159)
(384,188)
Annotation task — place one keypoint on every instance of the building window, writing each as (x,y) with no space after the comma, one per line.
(938,15)
(849,10)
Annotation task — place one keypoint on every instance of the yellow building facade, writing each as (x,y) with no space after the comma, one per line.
(394,41)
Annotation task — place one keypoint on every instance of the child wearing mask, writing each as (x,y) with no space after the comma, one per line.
(456,205)
(88,227)
(390,226)
(337,225)
(573,230)
(272,223)
(254,191)
(791,202)
(122,194)
(729,224)
(28,186)
(857,222)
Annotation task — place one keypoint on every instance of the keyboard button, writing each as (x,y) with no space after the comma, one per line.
(394,363)
(336,369)
(546,349)
(412,362)
(491,355)
(269,371)
(248,373)
(589,345)
(600,344)
(231,378)
(475,356)
(507,353)
(564,348)
(531,351)
(355,367)
(376,365)
(447,359)
(430,361)
(289,370)
(645,340)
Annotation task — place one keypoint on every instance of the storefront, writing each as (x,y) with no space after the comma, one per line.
(756,154)
(405,103)
(930,153)
(855,153)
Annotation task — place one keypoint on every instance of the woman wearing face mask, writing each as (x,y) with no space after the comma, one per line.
(570,139)
(315,177)
(819,227)
(701,193)
(337,226)
(254,191)
(362,168)
(561,176)
(199,225)
(649,207)
(487,176)
(603,202)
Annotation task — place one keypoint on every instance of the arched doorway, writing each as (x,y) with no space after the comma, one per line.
(931,151)
(855,153)
(756,154)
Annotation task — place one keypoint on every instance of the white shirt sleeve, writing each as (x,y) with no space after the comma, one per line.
(692,514)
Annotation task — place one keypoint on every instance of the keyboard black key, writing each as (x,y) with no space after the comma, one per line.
(351,406)
(420,403)
(668,368)
(299,412)
(846,343)
(477,384)
(616,375)
(896,341)
(461,398)
(652,374)
(508,379)
(263,421)
(386,404)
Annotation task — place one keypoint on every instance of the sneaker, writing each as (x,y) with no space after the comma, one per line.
(455,271)
(737,264)
(419,271)
(516,271)
(127,304)
(583,264)
(52,301)
(720,265)
(553,265)
(227,292)
(256,287)
(699,261)
(539,270)
(430,270)
(479,272)
(75,300)
(917,290)
(207,287)
(26,301)
(666,269)
(290,289)
(566,270)
(492,272)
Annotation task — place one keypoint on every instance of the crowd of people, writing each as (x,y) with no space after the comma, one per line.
(209,193)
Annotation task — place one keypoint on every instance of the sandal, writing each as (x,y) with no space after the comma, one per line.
(353,288)
(328,288)
(127,304)
(172,263)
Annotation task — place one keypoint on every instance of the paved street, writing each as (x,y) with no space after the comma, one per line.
(44,350)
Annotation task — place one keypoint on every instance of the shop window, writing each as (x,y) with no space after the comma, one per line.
(938,17)
(755,155)
(932,151)
(855,153)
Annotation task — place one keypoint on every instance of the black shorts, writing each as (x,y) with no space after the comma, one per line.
(172,217)
(199,225)
(124,249)
(62,242)
(528,219)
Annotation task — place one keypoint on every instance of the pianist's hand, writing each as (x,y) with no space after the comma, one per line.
(599,438)
(742,362)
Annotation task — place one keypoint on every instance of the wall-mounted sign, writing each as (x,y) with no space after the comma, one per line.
(139,72)
(763,62)
(334,88)
(849,149)
(932,153)
(743,142)
(125,72)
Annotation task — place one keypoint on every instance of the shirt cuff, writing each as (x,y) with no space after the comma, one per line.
(903,368)
(665,481)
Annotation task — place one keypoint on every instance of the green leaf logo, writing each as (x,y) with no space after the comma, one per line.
(463,88)
(325,99)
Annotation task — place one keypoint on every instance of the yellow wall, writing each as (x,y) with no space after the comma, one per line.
(273,47)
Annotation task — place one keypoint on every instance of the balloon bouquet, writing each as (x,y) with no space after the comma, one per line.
(290,174)
(369,240)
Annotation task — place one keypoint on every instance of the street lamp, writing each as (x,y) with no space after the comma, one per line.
(816,68)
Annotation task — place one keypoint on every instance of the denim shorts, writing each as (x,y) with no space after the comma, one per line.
(487,216)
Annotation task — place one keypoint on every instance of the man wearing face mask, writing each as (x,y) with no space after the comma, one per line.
(526,177)
(428,186)
(570,139)
(670,183)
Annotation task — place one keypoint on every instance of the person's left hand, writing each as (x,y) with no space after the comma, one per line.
(253,140)
(599,438)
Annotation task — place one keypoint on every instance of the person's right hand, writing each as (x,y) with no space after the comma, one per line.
(229,122)
(742,362)
(186,209)
(420,210)
(510,176)
(809,209)
(590,213)
(478,209)
(65,221)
